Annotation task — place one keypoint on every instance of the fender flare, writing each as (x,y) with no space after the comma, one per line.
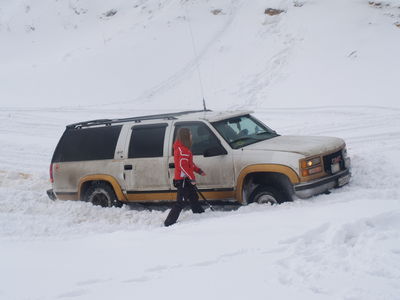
(102,177)
(263,168)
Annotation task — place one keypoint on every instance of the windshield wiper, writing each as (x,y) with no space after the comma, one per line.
(273,133)
(243,139)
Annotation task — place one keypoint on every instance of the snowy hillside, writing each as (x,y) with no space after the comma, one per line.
(324,68)
(139,53)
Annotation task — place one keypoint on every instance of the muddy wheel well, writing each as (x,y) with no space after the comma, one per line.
(87,184)
(277,180)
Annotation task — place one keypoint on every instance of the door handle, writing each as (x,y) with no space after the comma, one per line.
(128,167)
(171,165)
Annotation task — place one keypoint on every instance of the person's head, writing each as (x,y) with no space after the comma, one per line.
(184,136)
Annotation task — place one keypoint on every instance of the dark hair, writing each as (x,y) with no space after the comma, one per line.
(183,136)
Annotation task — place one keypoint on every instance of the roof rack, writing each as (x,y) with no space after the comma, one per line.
(108,122)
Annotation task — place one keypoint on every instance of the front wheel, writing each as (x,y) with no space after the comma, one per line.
(102,194)
(266,195)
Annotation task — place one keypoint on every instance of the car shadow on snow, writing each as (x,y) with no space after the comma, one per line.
(163,206)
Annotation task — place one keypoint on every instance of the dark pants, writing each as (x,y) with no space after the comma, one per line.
(186,195)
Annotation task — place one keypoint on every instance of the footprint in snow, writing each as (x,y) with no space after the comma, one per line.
(137,279)
(308,237)
(91,281)
(73,294)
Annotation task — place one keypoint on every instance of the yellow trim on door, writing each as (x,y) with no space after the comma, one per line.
(151,197)
(171,196)
(218,195)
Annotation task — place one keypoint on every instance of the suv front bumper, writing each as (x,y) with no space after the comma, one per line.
(319,186)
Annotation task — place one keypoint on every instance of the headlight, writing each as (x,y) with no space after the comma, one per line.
(310,162)
(310,166)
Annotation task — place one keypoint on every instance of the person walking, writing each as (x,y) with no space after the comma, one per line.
(184,178)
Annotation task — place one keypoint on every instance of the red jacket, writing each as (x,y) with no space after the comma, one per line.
(184,165)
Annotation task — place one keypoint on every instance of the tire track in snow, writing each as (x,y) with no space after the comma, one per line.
(190,67)
(251,88)
(255,88)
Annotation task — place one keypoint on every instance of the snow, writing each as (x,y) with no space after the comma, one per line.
(322,68)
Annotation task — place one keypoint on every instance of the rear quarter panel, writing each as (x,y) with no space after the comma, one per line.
(67,175)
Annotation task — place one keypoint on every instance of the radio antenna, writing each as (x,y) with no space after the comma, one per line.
(195,55)
(204,104)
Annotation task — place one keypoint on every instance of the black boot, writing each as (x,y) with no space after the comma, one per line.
(173,215)
(196,208)
(194,200)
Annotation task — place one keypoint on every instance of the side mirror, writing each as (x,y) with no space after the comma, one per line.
(215,151)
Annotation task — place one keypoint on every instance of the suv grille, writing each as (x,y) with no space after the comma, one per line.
(333,158)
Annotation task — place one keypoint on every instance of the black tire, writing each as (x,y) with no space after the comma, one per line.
(102,194)
(266,194)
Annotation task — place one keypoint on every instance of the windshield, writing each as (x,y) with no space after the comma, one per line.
(242,131)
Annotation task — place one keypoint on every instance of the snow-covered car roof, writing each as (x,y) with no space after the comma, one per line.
(208,115)
(213,116)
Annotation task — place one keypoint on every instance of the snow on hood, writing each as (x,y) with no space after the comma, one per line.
(305,145)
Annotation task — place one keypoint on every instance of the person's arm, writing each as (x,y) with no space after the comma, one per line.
(198,170)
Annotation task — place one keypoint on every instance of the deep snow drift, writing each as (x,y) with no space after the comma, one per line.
(319,68)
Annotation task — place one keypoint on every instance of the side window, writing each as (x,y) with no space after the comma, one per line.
(147,141)
(203,138)
(87,144)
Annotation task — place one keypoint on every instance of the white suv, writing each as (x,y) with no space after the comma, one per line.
(114,161)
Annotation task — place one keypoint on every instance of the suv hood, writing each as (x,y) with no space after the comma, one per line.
(305,145)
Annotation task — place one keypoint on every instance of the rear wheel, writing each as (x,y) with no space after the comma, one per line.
(102,194)
(266,195)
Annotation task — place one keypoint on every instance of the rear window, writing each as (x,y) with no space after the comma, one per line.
(87,144)
(147,141)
